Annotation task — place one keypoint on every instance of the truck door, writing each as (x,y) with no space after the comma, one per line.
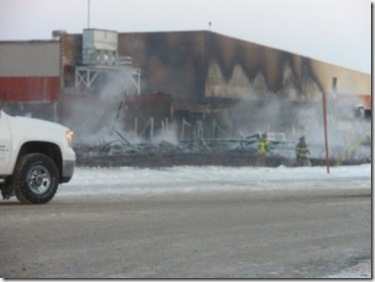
(5,143)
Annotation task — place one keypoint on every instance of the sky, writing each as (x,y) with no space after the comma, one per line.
(333,31)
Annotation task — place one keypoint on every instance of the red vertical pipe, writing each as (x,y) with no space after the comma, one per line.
(324,101)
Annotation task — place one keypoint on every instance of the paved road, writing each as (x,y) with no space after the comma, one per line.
(290,234)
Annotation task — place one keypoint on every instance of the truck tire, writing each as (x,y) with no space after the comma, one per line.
(36,179)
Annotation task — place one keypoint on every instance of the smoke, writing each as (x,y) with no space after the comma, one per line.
(93,115)
(96,117)
(290,111)
(296,109)
(167,135)
(345,131)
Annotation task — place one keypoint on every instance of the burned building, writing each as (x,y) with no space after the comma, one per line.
(216,84)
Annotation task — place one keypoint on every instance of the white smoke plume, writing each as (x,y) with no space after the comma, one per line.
(93,116)
(295,119)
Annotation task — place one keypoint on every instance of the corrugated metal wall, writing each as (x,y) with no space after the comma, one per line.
(171,62)
(29,89)
(29,71)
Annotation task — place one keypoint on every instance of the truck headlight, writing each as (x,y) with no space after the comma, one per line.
(69,137)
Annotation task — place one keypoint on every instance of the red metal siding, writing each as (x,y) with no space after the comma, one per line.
(29,89)
(363,99)
(366,101)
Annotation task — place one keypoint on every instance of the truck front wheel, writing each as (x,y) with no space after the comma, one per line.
(36,179)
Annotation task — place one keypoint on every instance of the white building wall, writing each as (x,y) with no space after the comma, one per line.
(30,59)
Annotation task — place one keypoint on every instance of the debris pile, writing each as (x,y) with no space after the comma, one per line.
(148,131)
(213,151)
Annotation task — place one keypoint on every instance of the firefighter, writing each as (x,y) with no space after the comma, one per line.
(301,152)
(262,150)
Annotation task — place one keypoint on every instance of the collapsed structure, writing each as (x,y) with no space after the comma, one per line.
(173,87)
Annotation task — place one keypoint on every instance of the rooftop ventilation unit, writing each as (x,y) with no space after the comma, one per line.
(100,56)
(99,47)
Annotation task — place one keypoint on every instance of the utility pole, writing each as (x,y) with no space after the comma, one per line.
(324,101)
(88,13)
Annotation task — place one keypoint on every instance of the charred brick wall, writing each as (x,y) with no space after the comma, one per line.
(234,81)
(193,66)
(171,62)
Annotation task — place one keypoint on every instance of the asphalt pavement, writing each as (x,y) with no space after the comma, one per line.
(228,234)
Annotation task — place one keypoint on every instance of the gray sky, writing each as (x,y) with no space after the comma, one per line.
(334,31)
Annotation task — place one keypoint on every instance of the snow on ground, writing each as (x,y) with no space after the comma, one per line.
(192,178)
(93,181)
(361,270)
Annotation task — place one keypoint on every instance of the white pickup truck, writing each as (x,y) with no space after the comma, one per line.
(35,157)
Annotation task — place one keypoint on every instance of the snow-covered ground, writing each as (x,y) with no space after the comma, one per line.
(94,181)
(192,178)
